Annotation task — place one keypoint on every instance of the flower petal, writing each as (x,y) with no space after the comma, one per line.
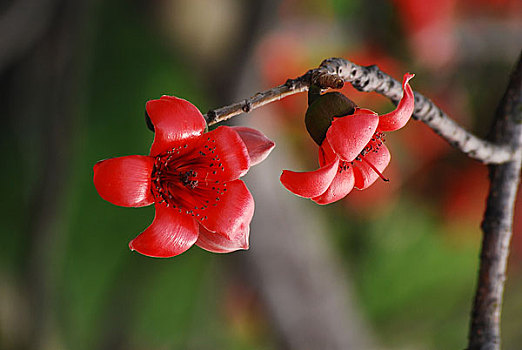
(229,213)
(174,120)
(349,135)
(258,145)
(170,234)
(220,155)
(125,181)
(341,185)
(217,243)
(364,174)
(400,116)
(359,110)
(326,153)
(310,183)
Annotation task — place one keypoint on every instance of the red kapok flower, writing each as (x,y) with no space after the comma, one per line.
(352,154)
(192,178)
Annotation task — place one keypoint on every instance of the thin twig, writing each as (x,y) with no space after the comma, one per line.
(498,221)
(334,72)
(260,99)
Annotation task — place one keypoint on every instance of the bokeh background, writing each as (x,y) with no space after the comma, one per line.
(391,267)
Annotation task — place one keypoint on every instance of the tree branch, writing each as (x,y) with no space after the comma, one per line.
(260,99)
(498,221)
(503,152)
(334,72)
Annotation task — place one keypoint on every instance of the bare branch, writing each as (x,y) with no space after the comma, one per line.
(498,221)
(292,86)
(334,72)
(372,79)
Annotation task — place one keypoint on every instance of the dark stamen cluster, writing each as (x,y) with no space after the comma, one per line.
(374,145)
(187,181)
(343,166)
(182,178)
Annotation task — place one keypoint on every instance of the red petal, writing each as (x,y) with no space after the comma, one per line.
(310,183)
(174,120)
(221,156)
(400,116)
(230,212)
(364,174)
(326,154)
(349,135)
(341,185)
(217,243)
(258,145)
(363,111)
(170,234)
(125,181)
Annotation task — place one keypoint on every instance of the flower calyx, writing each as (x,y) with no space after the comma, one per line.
(322,110)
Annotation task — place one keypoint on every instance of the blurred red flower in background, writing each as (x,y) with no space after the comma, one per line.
(192,177)
(281,57)
(356,137)
(429,26)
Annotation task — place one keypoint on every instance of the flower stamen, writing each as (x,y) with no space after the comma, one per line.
(185,179)
(374,169)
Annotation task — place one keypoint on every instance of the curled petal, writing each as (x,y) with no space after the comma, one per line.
(400,116)
(231,214)
(341,185)
(258,145)
(174,120)
(125,181)
(217,243)
(310,183)
(170,234)
(349,135)
(365,175)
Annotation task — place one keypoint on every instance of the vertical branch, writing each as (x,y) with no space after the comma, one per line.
(498,221)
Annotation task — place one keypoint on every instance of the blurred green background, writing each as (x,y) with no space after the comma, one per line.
(75,79)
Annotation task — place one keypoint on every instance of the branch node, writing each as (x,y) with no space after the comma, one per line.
(327,80)
(247,106)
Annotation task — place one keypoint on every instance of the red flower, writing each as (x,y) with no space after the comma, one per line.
(192,178)
(353,154)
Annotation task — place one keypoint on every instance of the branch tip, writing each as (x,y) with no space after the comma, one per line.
(211,116)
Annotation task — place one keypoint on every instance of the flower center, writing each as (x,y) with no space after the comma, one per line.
(173,177)
(185,179)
